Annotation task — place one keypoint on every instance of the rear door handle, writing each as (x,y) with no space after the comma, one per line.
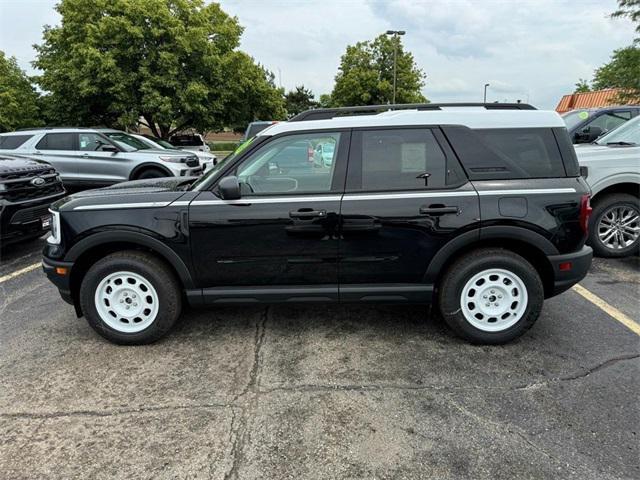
(438,210)
(308,213)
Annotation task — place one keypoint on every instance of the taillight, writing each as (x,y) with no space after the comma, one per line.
(585,213)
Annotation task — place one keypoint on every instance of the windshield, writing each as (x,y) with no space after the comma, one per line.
(626,134)
(162,143)
(125,146)
(130,140)
(575,117)
(217,168)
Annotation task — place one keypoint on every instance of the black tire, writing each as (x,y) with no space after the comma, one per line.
(600,208)
(464,269)
(151,173)
(155,272)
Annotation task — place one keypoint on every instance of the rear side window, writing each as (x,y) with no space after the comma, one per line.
(11,142)
(507,153)
(397,159)
(57,141)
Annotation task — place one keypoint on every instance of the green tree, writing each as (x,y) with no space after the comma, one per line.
(365,75)
(582,86)
(175,63)
(629,9)
(299,100)
(325,101)
(623,71)
(18,98)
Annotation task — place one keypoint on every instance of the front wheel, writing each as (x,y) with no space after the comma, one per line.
(614,229)
(130,298)
(491,296)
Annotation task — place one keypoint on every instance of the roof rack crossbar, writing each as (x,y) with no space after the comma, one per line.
(328,113)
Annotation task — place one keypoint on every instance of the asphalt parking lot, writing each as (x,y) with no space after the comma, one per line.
(319,392)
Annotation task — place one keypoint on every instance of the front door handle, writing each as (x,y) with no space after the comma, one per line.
(438,210)
(308,213)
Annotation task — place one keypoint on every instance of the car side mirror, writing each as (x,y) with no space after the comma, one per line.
(109,148)
(229,188)
(592,133)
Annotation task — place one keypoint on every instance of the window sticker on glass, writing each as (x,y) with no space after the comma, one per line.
(583,115)
(414,157)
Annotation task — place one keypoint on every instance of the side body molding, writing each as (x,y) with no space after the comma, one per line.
(138,238)
(485,233)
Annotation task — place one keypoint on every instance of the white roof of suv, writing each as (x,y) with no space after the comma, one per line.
(472,117)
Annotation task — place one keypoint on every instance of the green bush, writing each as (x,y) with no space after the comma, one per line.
(223,146)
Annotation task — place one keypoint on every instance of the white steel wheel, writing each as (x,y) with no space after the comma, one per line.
(126,301)
(494,300)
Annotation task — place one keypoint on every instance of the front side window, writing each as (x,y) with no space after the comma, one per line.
(629,133)
(57,141)
(401,159)
(127,139)
(291,164)
(11,142)
(90,142)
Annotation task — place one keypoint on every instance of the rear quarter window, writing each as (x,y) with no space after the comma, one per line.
(11,142)
(507,153)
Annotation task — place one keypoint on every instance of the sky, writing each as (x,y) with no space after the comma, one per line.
(532,50)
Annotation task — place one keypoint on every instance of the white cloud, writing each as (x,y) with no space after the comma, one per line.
(534,49)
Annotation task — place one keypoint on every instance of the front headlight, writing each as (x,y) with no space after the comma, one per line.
(56,234)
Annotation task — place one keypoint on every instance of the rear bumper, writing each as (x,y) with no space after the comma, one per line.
(62,282)
(569,269)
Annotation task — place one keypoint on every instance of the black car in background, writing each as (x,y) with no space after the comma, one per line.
(27,188)
(587,124)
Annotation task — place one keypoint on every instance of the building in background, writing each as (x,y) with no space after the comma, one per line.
(598,99)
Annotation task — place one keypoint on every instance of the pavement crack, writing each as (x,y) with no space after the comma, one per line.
(578,375)
(110,413)
(239,430)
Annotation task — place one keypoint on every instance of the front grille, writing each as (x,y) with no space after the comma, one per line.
(30,214)
(19,188)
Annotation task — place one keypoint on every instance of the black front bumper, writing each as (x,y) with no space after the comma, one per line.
(22,220)
(566,278)
(62,282)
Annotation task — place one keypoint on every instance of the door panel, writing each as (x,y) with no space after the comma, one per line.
(284,229)
(389,237)
(97,166)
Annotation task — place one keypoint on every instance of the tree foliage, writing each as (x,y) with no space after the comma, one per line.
(18,98)
(629,9)
(365,75)
(173,62)
(623,71)
(582,86)
(298,100)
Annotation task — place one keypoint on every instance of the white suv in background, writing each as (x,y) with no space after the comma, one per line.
(207,160)
(613,163)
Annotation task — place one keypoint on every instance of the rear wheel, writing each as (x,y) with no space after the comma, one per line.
(614,229)
(491,296)
(130,298)
(151,173)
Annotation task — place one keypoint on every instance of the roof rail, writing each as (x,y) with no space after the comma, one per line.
(52,128)
(327,113)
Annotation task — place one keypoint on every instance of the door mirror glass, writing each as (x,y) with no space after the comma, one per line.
(229,188)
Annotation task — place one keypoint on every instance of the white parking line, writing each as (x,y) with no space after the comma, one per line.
(608,309)
(20,272)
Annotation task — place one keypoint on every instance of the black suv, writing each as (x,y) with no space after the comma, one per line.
(480,208)
(27,188)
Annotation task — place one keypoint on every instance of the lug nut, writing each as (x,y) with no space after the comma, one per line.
(135,304)
(488,304)
(499,296)
(484,296)
(493,291)
(127,307)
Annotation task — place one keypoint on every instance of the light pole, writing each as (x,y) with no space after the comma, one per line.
(485,92)
(396,34)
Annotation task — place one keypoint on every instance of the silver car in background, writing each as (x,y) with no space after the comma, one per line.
(97,157)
